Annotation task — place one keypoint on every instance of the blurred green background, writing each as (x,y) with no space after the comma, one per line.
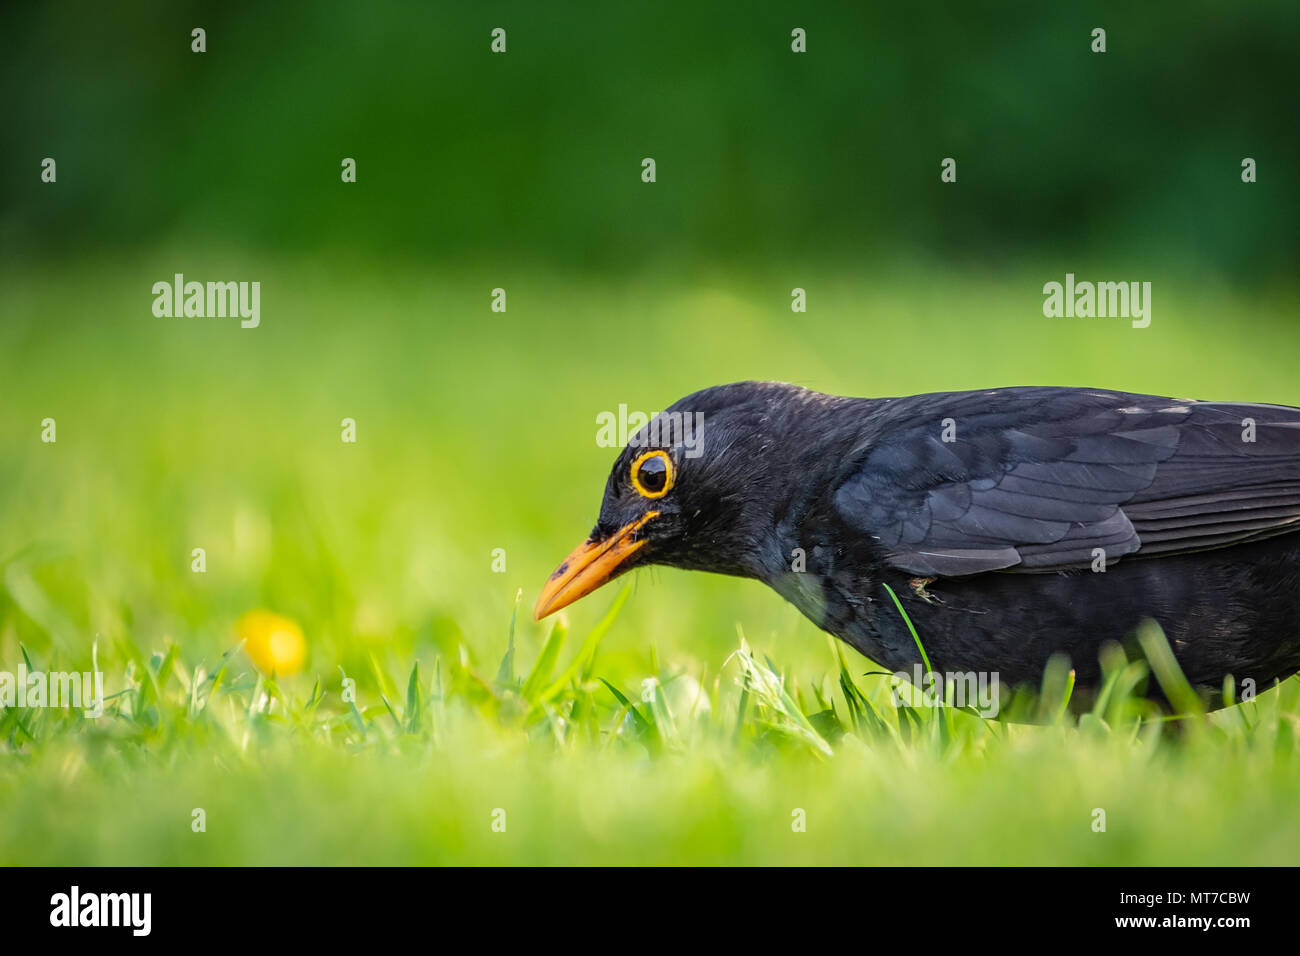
(476,429)
(766,157)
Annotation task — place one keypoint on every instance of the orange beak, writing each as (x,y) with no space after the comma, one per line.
(591,564)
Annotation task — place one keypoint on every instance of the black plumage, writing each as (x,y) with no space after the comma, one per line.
(1012,523)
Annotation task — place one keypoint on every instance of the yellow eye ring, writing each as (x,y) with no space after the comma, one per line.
(648,482)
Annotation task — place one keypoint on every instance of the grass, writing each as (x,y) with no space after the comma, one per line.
(684,719)
(553,764)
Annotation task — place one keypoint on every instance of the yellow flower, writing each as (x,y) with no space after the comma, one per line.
(273,641)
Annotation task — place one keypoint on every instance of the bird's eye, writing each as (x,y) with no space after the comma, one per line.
(652,474)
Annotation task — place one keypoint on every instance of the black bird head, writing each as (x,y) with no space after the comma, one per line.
(700,487)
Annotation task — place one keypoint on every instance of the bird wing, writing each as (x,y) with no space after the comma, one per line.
(1035,479)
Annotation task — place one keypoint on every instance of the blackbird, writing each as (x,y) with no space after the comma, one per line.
(1011,523)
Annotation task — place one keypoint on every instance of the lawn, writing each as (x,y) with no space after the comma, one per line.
(683,718)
